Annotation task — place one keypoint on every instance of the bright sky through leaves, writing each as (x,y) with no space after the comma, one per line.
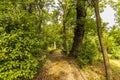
(108,16)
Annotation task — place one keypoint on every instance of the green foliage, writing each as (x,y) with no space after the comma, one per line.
(18,42)
(113,45)
(23,44)
(16,60)
(116,53)
(89,52)
(114,34)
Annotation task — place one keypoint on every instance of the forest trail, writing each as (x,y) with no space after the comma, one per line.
(60,67)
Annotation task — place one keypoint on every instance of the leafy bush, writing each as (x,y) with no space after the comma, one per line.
(112,41)
(18,42)
(116,53)
(16,58)
(89,52)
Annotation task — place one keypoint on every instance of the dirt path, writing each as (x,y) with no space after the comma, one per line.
(60,67)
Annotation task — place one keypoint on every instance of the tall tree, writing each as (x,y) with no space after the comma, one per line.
(79,29)
(101,40)
(65,7)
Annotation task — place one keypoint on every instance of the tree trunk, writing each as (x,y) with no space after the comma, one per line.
(64,36)
(102,44)
(79,29)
